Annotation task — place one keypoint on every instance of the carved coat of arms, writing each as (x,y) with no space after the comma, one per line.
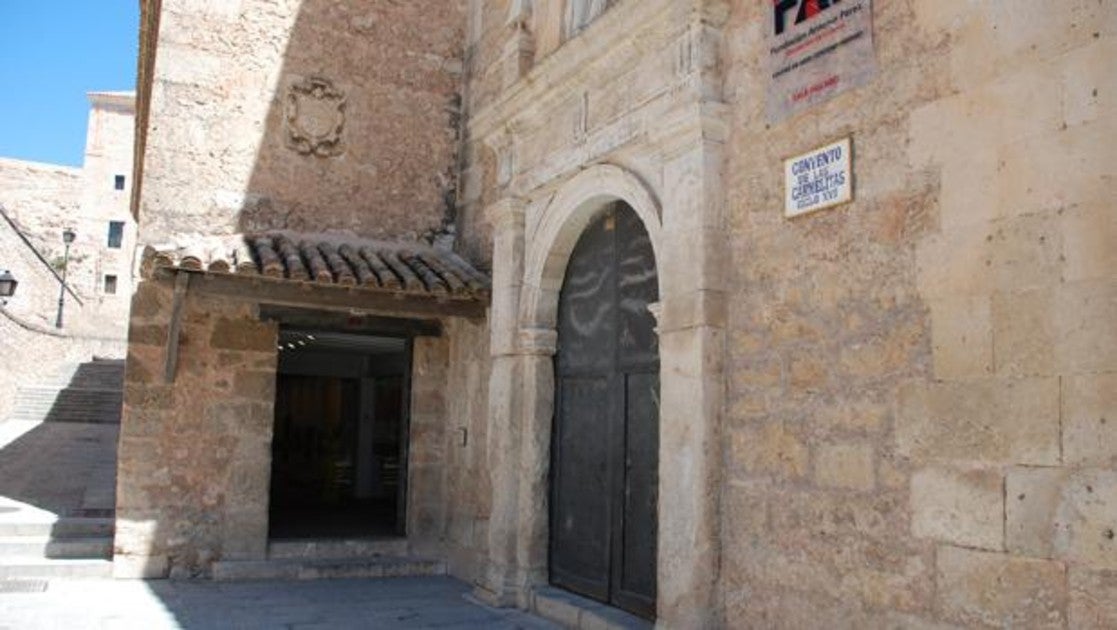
(315,117)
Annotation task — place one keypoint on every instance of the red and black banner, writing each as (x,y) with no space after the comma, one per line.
(817,49)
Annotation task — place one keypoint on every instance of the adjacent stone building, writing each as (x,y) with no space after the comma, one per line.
(508,288)
(41,201)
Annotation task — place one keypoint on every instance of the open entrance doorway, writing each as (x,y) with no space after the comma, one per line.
(339,451)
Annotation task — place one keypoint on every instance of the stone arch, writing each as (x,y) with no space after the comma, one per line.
(565,218)
(549,243)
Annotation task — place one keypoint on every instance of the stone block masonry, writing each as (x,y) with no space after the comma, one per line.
(195,457)
(195,454)
(277,128)
(970,265)
(892,413)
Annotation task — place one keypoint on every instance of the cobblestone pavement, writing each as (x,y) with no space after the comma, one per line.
(334,604)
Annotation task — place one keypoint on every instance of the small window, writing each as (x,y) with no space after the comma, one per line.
(116,234)
(118,182)
(110,285)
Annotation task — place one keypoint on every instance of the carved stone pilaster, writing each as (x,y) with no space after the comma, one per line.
(500,584)
(537,346)
(507,219)
(506,213)
(538,342)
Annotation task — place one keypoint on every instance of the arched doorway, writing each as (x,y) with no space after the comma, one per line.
(605,446)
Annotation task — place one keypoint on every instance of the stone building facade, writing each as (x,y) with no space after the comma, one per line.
(105,226)
(40,201)
(893,413)
(93,201)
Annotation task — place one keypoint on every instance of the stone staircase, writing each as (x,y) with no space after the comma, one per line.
(330,559)
(91,392)
(58,475)
(65,548)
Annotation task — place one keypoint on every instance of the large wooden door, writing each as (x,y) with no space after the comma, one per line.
(605,457)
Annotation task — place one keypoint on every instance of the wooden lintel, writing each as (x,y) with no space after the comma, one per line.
(182,283)
(314,319)
(352,300)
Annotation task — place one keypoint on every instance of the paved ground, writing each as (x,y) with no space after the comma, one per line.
(333,604)
(68,469)
(54,469)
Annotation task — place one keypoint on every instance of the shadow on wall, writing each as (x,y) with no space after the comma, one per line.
(361,133)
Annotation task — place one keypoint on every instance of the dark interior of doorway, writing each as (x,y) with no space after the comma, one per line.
(339,445)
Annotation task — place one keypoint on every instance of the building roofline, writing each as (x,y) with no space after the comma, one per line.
(40,166)
(113,99)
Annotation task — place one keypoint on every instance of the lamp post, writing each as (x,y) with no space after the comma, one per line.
(68,237)
(8,284)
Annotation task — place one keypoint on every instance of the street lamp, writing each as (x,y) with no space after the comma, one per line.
(68,237)
(8,284)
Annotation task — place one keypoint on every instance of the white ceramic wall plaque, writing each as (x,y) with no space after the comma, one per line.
(819,179)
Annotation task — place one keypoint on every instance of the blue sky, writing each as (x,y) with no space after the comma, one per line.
(51,54)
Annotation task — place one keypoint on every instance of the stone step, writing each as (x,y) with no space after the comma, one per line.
(72,405)
(102,418)
(63,528)
(77,402)
(59,413)
(78,408)
(99,409)
(106,380)
(107,374)
(67,397)
(315,549)
(323,569)
(15,568)
(56,548)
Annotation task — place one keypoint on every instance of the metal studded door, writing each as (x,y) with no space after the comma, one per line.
(605,456)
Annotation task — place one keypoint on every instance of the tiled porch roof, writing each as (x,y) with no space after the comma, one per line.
(398,268)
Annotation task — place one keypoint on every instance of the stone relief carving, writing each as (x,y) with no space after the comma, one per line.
(315,117)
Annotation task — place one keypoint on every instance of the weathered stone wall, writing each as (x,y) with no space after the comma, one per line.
(241,137)
(426,470)
(43,199)
(917,424)
(921,383)
(195,454)
(448,490)
(468,494)
(36,296)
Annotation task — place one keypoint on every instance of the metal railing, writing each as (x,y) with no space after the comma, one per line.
(38,254)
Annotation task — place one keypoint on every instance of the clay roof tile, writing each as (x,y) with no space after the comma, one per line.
(402,268)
